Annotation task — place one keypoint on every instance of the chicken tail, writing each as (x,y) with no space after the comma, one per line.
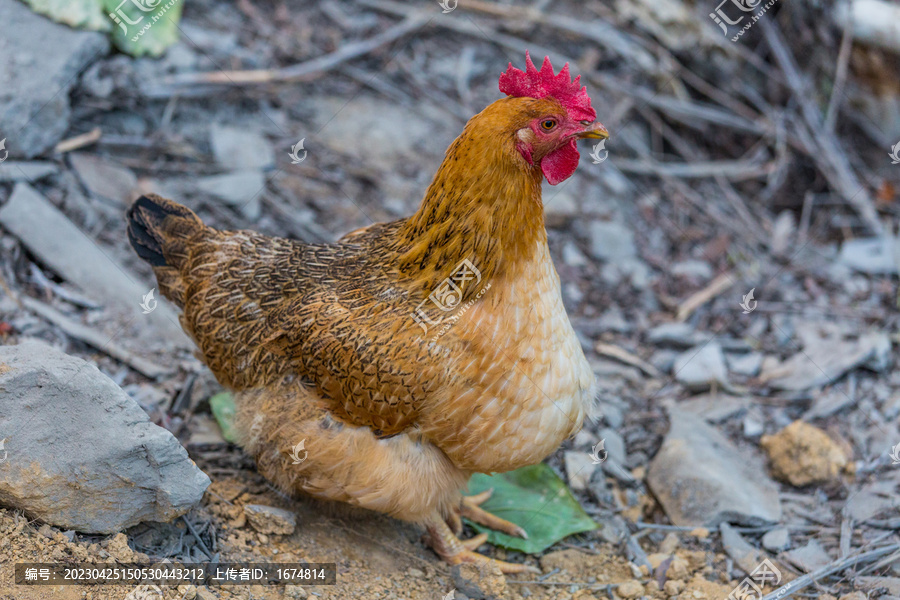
(158,230)
(161,232)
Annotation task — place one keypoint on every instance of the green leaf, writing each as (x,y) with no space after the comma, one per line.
(222,405)
(137,27)
(87,14)
(536,500)
(146,31)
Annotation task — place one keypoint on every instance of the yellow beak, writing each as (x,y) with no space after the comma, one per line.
(597,131)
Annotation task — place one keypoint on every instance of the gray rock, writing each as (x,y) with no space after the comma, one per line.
(692,269)
(611,241)
(753,423)
(479,581)
(240,189)
(40,61)
(239,148)
(680,335)
(701,479)
(810,557)
(572,256)
(699,368)
(633,269)
(875,256)
(579,469)
(268,519)
(98,461)
(829,359)
(614,445)
(827,404)
(105,178)
(745,364)
(664,360)
(715,408)
(12,170)
(777,540)
(740,550)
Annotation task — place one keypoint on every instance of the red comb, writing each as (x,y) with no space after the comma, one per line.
(540,84)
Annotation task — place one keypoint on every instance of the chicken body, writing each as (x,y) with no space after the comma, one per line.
(347,346)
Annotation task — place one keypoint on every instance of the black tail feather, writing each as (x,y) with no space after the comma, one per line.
(145,217)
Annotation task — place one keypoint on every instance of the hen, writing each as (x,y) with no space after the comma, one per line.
(408,355)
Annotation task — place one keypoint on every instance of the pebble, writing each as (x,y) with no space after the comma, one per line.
(777,539)
(268,519)
(630,589)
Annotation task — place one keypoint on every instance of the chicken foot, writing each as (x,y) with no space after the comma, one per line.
(443,535)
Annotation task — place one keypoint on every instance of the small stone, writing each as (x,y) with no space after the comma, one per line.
(747,364)
(854,596)
(669,544)
(118,548)
(263,538)
(630,589)
(268,519)
(611,241)
(777,540)
(678,569)
(753,424)
(240,189)
(295,591)
(692,269)
(479,581)
(701,367)
(239,148)
(673,587)
(188,592)
(206,594)
(47,531)
(680,335)
(417,573)
(701,533)
(802,454)
(579,469)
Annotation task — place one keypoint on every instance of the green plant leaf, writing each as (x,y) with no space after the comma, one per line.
(222,405)
(536,500)
(145,31)
(86,14)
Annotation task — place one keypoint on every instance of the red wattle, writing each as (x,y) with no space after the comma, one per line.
(560,164)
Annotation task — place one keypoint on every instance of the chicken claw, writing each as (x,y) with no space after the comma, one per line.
(455,551)
(471,509)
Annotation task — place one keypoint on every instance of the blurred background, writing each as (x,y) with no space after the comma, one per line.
(728,258)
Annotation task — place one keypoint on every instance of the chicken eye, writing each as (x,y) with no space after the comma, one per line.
(548,124)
